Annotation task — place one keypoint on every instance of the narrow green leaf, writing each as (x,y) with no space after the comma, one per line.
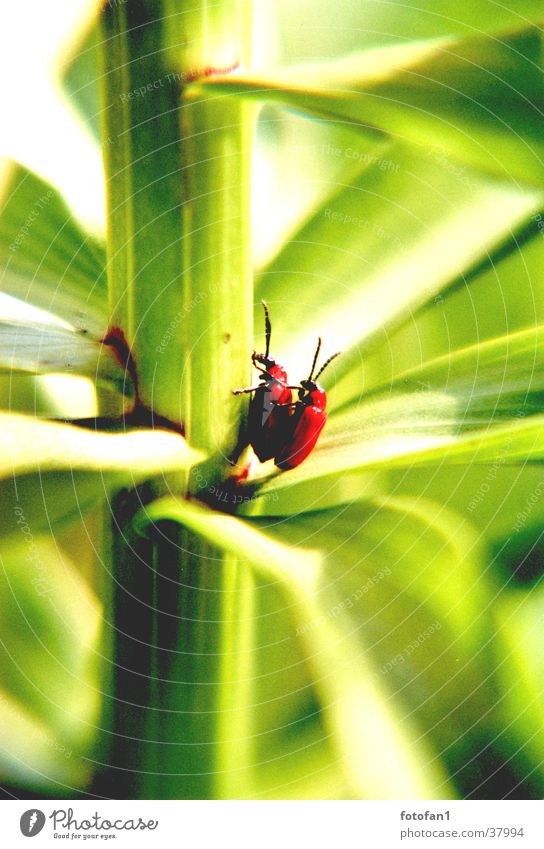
(294,754)
(391,241)
(41,501)
(33,756)
(479,100)
(51,472)
(345,26)
(80,77)
(497,298)
(46,258)
(374,23)
(498,378)
(46,348)
(358,716)
(408,582)
(404,431)
(235,538)
(313,159)
(34,445)
(504,500)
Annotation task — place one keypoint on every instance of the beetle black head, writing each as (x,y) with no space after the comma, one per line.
(305,390)
(264,360)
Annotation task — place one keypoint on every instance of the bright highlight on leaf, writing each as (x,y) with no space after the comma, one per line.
(30,445)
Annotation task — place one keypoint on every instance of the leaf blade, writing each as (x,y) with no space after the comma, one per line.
(480,100)
(381,248)
(346,689)
(32,445)
(46,258)
(34,348)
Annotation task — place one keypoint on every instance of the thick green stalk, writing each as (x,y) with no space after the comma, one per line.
(178,210)
(177,701)
(181,294)
(217,136)
(218,292)
(142,153)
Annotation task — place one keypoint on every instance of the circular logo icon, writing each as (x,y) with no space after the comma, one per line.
(32,822)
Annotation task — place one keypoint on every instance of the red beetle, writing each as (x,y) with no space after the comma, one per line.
(270,407)
(308,419)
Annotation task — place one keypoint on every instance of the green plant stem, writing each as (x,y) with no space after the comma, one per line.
(142,157)
(218,287)
(177,701)
(181,293)
(177,170)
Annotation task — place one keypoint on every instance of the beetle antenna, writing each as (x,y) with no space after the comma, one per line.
(316,355)
(323,367)
(267,327)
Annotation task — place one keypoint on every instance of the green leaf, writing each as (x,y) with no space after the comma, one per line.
(313,159)
(503,500)
(294,754)
(52,471)
(359,718)
(268,693)
(235,537)
(29,394)
(404,583)
(345,26)
(373,24)
(29,445)
(491,301)
(80,77)
(46,348)
(479,100)
(496,379)
(402,432)
(391,241)
(50,642)
(46,258)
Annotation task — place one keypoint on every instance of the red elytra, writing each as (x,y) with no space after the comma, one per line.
(306,421)
(270,407)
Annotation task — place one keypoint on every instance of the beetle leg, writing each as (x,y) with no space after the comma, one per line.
(246,391)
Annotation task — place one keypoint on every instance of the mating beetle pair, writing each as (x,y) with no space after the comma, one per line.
(277,426)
